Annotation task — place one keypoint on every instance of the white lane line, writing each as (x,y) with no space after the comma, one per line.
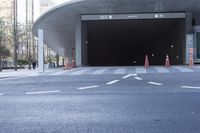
(1,94)
(190,87)
(154,83)
(138,78)
(112,82)
(120,71)
(129,75)
(88,87)
(140,70)
(98,72)
(41,92)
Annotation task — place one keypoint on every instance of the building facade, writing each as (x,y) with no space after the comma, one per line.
(121,33)
(6,15)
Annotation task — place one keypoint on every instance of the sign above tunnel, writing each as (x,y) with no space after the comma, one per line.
(133,16)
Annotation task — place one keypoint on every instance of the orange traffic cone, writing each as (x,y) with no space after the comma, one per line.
(167,63)
(67,65)
(191,63)
(146,63)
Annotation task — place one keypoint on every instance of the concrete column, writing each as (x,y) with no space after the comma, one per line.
(189,37)
(41,50)
(78,43)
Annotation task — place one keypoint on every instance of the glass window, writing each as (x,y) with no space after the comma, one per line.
(198,44)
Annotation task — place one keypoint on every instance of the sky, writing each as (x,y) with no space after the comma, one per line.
(22,9)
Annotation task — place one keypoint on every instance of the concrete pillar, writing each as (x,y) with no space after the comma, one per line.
(189,37)
(78,43)
(40,50)
(81,43)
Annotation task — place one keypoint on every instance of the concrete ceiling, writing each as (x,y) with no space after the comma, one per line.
(59,23)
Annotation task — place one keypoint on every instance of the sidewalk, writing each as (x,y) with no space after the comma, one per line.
(25,72)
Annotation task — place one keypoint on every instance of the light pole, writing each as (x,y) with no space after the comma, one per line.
(15,34)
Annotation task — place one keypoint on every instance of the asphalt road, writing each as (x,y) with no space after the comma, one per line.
(149,103)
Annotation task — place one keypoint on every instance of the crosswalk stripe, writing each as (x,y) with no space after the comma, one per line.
(161,70)
(120,71)
(100,71)
(59,73)
(183,69)
(79,72)
(140,70)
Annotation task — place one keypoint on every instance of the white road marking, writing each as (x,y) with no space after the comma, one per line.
(1,94)
(59,73)
(112,82)
(129,75)
(10,78)
(161,70)
(140,70)
(98,72)
(197,67)
(120,71)
(79,72)
(42,92)
(190,87)
(88,87)
(138,78)
(154,83)
(183,69)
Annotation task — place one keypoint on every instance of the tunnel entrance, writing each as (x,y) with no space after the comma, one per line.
(125,42)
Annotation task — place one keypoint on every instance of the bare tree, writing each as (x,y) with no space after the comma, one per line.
(4,52)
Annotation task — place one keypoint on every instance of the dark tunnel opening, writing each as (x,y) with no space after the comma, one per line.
(125,42)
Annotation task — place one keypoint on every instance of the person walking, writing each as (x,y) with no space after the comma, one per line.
(34,64)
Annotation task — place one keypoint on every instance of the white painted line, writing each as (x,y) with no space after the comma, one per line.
(112,82)
(1,94)
(183,69)
(79,72)
(161,69)
(41,92)
(190,87)
(98,72)
(59,73)
(88,87)
(129,75)
(120,71)
(154,83)
(138,78)
(140,70)
(10,78)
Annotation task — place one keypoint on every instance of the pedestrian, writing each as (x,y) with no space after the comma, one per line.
(34,64)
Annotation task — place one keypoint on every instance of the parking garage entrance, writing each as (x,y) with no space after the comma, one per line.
(124,40)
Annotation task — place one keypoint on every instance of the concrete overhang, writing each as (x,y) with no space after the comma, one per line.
(59,23)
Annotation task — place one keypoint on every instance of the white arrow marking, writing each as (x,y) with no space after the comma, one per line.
(138,78)
(129,75)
